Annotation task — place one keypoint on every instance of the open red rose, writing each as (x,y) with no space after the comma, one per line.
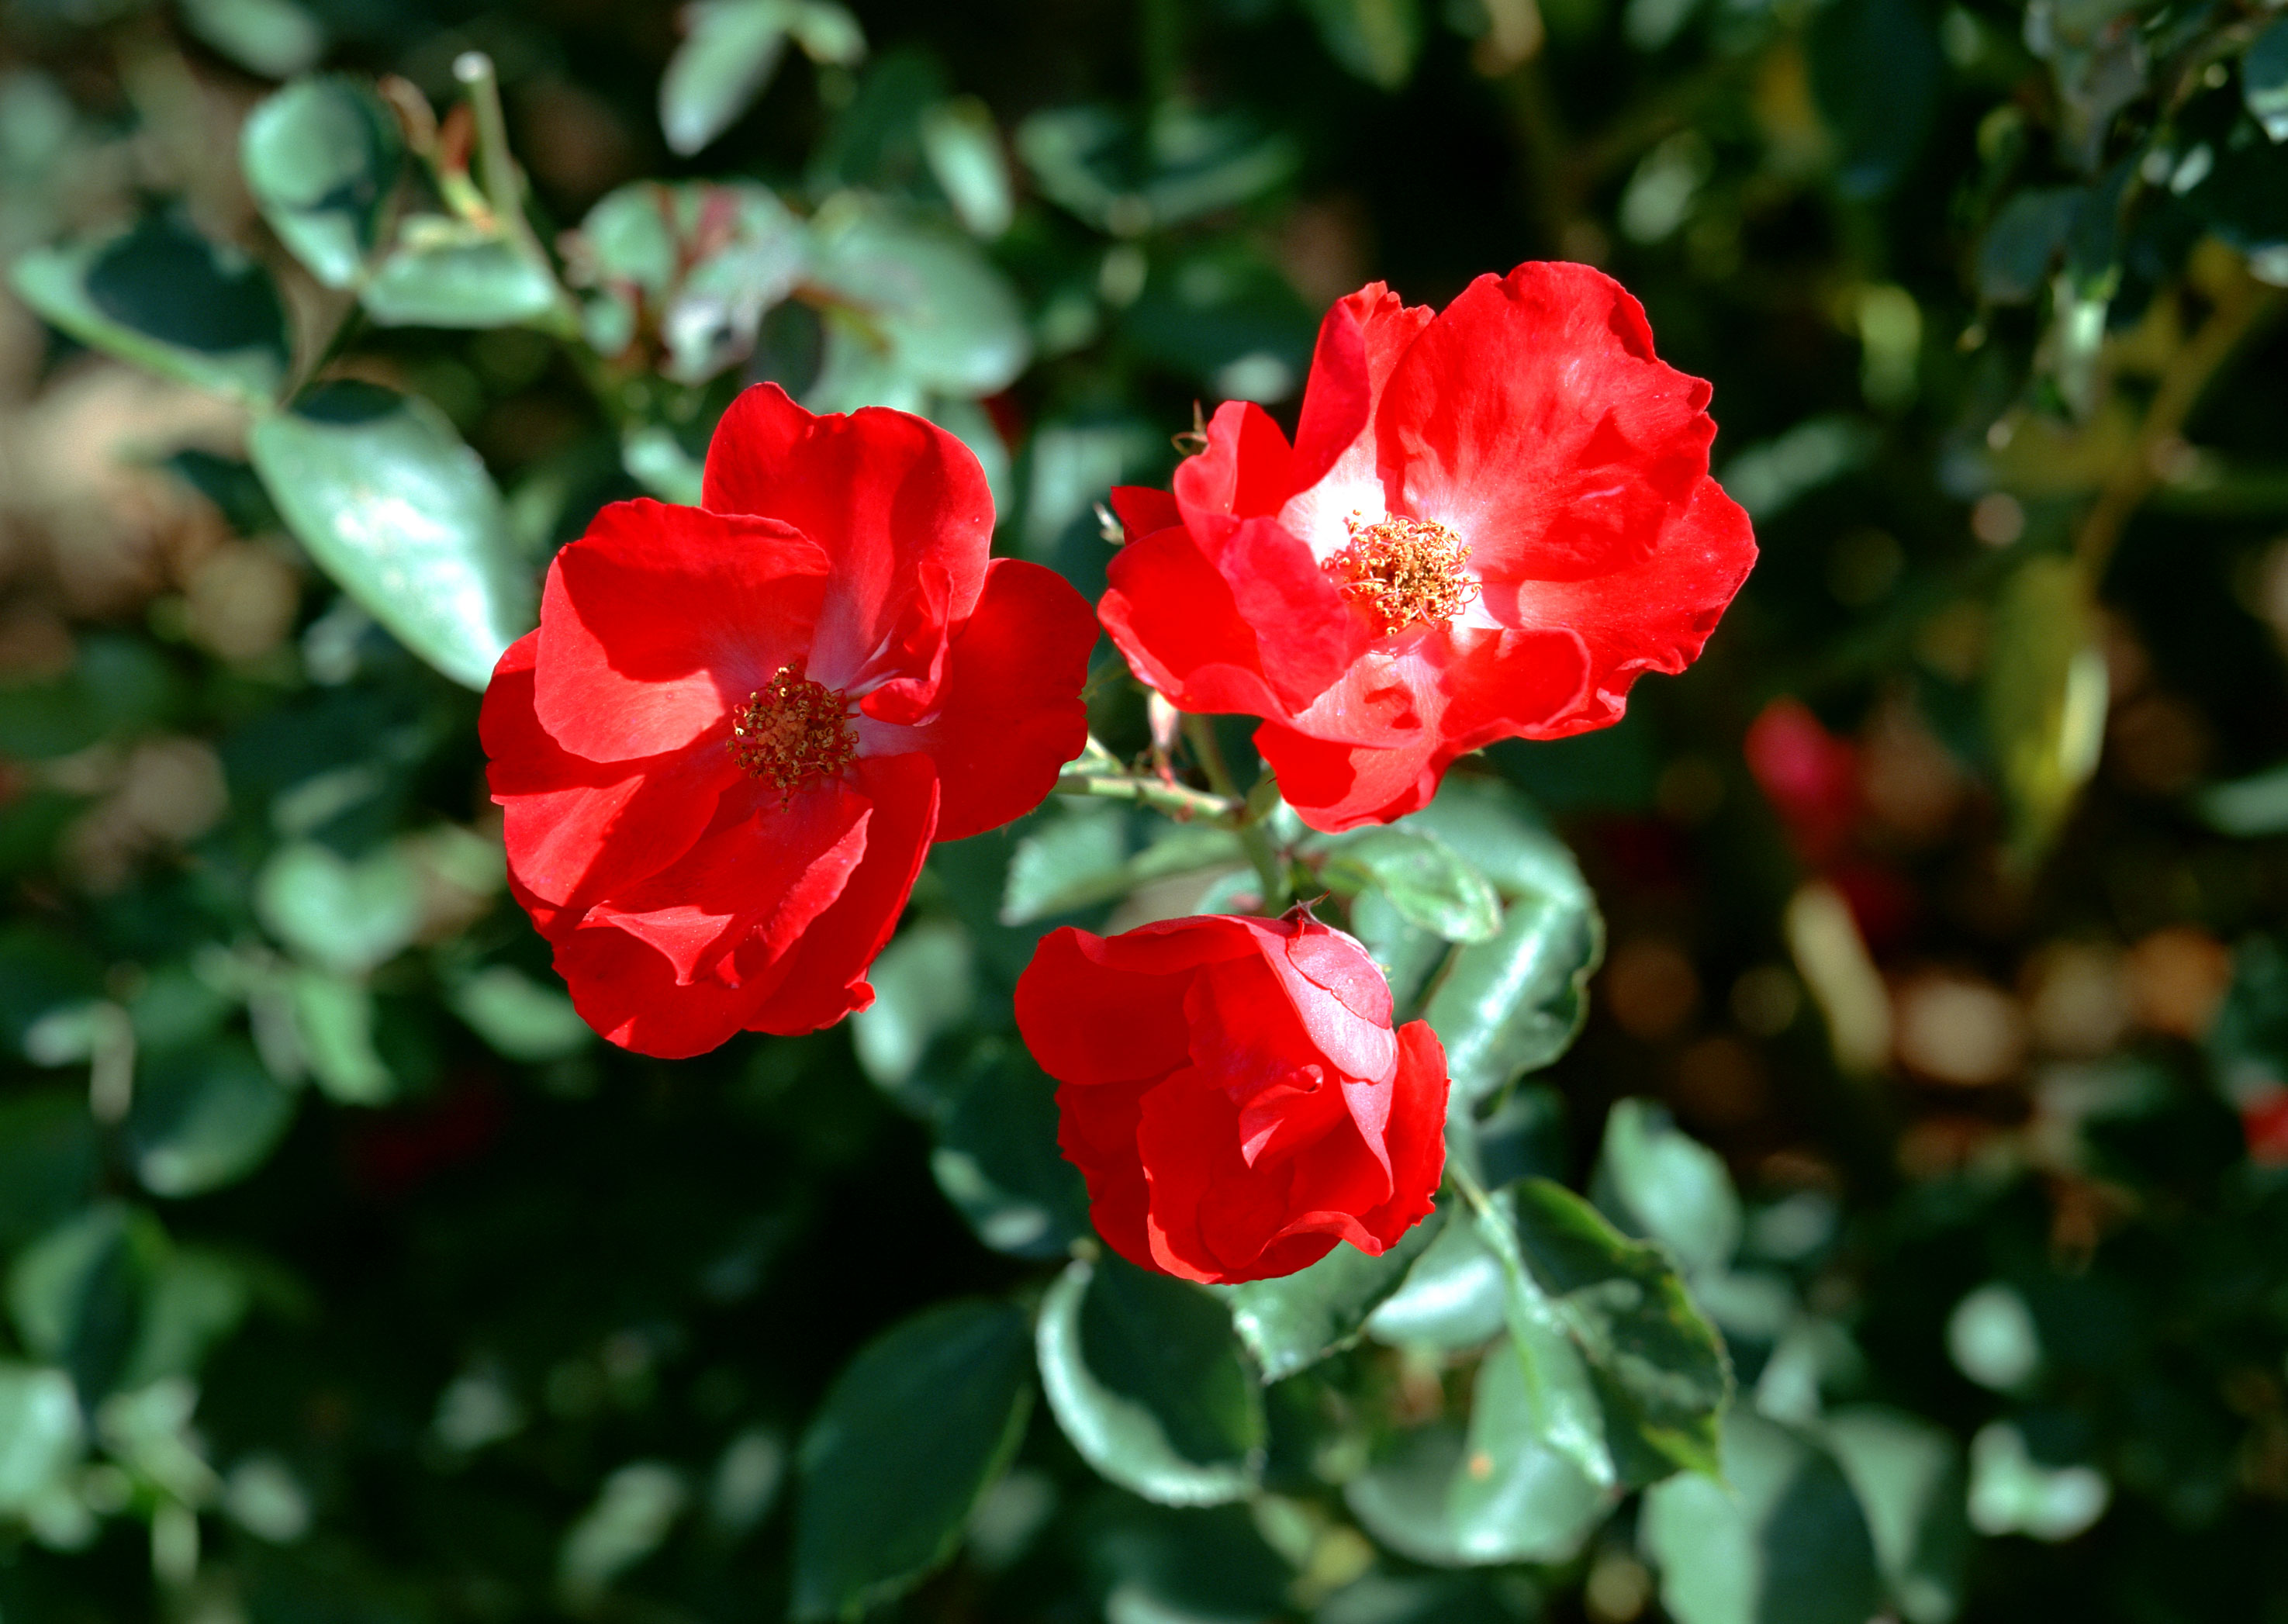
(1233,1092)
(740,725)
(1491,520)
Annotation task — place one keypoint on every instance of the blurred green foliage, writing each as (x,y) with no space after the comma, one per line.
(1926,1085)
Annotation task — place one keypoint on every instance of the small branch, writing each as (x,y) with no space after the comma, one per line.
(503,188)
(1270,867)
(1186,805)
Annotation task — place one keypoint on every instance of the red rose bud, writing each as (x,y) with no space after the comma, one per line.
(1233,1091)
(1810,776)
(740,725)
(1492,520)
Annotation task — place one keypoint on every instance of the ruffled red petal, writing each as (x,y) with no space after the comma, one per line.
(1360,343)
(661,619)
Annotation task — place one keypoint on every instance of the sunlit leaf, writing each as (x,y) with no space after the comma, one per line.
(1654,1179)
(1292,1322)
(347,916)
(205,1118)
(448,273)
(321,157)
(1430,883)
(1908,1474)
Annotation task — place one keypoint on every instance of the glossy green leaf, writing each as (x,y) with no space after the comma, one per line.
(205,1118)
(1655,1179)
(347,916)
(1455,1298)
(1295,1321)
(1780,1540)
(275,38)
(730,49)
(520,1016)
(1630,1381)
(333,1017)
(321,157)
(403,516)
(1143,1372)
(918,309)
(1408,955)
(1512,1004)
(1077,856)
(1431,885)
(77,1295)
(924,985)
(1497,1494)
(41,1434)
(1908,1475)
(448,273)
(165,298)
(997,1158)
(962,146)
(913,1432)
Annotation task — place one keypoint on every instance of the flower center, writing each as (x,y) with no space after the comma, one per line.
(1405,572)
(792,732)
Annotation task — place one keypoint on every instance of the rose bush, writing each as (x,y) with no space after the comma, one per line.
(1492,520)
(739,727)
(1233,1093)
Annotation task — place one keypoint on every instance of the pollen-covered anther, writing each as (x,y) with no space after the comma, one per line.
(792,732)
(1405,572)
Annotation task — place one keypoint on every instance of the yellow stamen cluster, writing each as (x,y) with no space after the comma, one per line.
(792,732)
(1406,572)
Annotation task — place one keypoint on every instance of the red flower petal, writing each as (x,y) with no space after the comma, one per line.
(661,619)
(900,506)
(1360,343)
(1174,620)
(1144,510)
(1096,1011)
(1009,712)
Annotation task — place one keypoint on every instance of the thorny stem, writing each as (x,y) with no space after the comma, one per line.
(1184,805)
(1270,868)
(496,173)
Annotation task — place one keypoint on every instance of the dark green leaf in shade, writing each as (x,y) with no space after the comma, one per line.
(77,1295)
(1455,1298)
(1431,1598)
(1194,1566)
(1078,857)
(1378,40)
(1877,75)
(403,516)
(321,157)
(1496,1493)
(1654,1179)
(1296,1320)
(448,273)
(914,1432)
(1143,1374)
(49,1160)
(1780,1540)
(205,1118)
(997,1158)
(2264,80)
(1628,1377)
(116,684)
(1126,176)
(1908,1474)
(2022,244)
(1431,885)
(165,298)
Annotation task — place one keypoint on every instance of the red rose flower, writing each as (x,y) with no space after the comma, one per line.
(740,725)
(1234,1094)
(1491,521)
(1810,776)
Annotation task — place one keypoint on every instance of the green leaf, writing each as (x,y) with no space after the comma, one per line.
(403,515)
(1655,1179)
(275,38)
(2264,80)
(321,157)
(1378,40)
(1143,1373)
(1629,1379)
(1428,882)
(915,1431)
(997,1158)
(347,916)
(165,298)
(1126,178)
(1781,1540)
(203,1118)
(519,1016)
(1498,1493)
(919,310)
(729,54)
(2015,255)
(1513,1004)
(1455,1298)
(49,1160)
(1908,1475)
(1296,1320)
(449,273)
(333,1017)
(1077,856)
(963,147)
(1407,954)
(1877,75)
(77,1294)
(41,1436)
(924,985)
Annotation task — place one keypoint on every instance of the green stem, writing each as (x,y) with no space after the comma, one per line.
(1183,805)
(1270,868)
(504,190)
